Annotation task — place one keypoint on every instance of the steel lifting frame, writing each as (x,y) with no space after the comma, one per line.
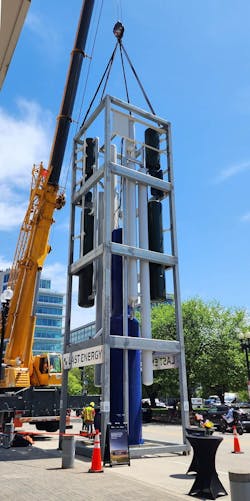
(109,122)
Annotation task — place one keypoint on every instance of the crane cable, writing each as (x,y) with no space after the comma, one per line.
(138,80)
(118,5)
(118,31)
(107,70)
(124,73)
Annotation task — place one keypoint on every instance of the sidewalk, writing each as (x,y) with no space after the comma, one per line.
(29,473)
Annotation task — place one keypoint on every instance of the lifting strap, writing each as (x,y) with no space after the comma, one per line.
(118,32)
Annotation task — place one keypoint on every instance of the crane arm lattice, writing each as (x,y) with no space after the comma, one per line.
(24,244)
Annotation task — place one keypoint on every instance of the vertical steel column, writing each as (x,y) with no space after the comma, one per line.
(64,390)
(114,221)
(125,303)
(105,404)
(177,297)
(99,281)
(131,211)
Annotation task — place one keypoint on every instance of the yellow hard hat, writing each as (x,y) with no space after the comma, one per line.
(92,404)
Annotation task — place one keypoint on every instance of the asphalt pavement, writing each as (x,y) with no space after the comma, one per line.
(35,472)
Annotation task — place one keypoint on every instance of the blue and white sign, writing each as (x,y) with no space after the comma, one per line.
(164,361)
(81,358)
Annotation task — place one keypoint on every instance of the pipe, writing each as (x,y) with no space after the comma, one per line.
(147,362)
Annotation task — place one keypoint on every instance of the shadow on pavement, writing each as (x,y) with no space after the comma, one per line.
(30,452)
(183,476)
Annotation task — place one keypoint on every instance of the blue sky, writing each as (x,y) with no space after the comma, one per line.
(193,60)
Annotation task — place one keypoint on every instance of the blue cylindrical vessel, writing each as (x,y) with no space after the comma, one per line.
(116,357)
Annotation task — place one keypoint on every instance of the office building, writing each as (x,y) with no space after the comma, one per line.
(49,319)
(49,316)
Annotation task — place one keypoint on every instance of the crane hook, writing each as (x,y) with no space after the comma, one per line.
(118,30)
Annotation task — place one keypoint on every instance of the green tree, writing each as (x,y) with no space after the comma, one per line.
(74,382)
(213,357)
(82,380)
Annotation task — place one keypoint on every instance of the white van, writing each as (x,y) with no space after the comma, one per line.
(229,397)
(214,399)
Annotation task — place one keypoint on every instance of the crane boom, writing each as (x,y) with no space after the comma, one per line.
(64,118)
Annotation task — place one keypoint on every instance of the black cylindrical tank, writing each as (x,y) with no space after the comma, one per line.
(90,156)
(157,194)
(85,290)
(152,138)
(155,239)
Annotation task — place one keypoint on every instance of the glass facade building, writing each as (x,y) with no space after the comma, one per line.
(49,316)
(4,277)
(49,319)
(82,333)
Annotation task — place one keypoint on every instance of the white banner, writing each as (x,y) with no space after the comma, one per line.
(81,358)
(164,361)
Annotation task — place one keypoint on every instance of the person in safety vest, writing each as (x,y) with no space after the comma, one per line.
(88,415)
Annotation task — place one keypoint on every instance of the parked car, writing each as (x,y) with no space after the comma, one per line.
(212,399)
(146,412)
(244,410)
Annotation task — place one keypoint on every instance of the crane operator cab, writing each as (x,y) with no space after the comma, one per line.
(47,369)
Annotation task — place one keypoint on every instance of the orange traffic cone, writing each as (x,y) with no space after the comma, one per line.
(96,464)
(236,442)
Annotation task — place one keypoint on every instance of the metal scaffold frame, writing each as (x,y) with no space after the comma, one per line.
(114,170)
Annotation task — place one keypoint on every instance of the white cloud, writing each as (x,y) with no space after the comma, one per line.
(10,216)
(36,25)
(24,140)
(4,264)
(57,273)
(233,170)
(44,35)
(12,208)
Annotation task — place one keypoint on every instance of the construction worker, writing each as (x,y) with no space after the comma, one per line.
(88,415)
(45,366)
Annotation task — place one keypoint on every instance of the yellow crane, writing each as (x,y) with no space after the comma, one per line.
(30,386)
(21,368)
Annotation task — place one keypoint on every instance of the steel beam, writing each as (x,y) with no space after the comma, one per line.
(142,343)
(140,177)
(152,256)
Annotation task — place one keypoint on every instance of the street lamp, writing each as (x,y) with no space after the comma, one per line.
(6,296)
(244,338)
